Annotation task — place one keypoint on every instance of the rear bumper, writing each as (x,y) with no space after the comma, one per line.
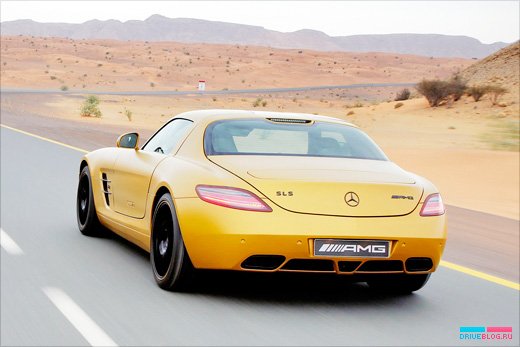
(222,238)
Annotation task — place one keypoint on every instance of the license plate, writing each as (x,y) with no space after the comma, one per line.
(352,248)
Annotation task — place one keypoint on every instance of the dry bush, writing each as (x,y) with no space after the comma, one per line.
(90,107)
(403,95)
(435,91)
(477,92)
(438,92)
(128,114)
(257,102)
(495,93)
(399,104)
(456,87)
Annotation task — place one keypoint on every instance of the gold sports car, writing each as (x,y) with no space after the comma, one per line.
(264,191)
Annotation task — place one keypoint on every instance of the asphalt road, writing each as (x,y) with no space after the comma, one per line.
(477,240)
(62,288)
(206,92)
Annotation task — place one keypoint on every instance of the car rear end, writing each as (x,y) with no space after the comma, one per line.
(219,237)
(315,196)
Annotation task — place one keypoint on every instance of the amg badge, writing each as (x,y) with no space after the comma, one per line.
(351,248)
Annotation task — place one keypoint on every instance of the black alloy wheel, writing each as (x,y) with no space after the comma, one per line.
(171,265)
(88,221)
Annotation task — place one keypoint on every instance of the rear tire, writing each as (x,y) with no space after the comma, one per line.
(171,264)
(88,221)
(398,284)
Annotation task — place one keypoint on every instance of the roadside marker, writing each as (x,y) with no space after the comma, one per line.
(78,318)
(8,244)
(447,264)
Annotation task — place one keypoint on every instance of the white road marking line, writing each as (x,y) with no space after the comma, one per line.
(8,244)
(79,319)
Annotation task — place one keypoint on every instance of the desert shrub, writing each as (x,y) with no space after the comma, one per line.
(399,104)
(435,91)
(495,93)
(52,77)
(152,84)
(477,92)
(257,102)
(128,114)
(350,113)
(456,87)
(64,88)
(403,95)
(90,107)
(438,91)
(264,103)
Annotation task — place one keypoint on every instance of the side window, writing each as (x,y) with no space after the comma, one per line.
(168,137)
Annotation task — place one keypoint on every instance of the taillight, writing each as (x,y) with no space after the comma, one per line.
(432,206)
(236,198)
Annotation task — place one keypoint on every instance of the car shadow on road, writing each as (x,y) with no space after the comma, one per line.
(295,288)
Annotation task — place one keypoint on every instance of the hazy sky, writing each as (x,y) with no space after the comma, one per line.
(488,21)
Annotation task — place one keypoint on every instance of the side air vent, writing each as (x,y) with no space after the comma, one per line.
(288,120)
(106,188)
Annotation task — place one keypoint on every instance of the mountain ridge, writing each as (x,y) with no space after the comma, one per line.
(159,28)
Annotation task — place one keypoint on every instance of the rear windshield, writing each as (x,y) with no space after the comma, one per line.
(265,137)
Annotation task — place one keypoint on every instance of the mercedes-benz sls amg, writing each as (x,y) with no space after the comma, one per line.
(265,192)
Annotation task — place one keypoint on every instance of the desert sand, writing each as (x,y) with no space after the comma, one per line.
(54,63)
(468,149)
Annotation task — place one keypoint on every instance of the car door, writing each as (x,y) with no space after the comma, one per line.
(133,169)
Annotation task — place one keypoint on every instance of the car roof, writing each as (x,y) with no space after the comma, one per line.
(207,116)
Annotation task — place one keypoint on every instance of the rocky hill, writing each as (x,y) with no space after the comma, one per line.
(501,67)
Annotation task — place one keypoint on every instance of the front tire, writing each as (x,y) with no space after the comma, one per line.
(171,265)
(398,284)
(88,221)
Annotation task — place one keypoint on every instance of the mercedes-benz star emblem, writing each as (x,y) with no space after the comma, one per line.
(352,199)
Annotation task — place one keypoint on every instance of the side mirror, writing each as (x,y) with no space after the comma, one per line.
(130,140)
